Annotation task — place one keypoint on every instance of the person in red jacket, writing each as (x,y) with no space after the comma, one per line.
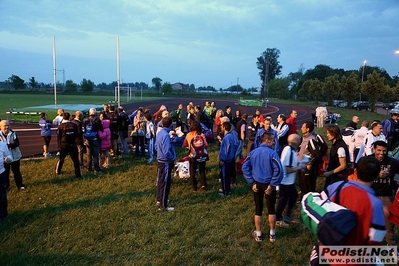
(291,122)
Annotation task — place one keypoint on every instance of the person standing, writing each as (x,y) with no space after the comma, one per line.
(226,158)
(67,134)
(228,113)
(385,185)
(353,123)
(321,113)
(359,197)
(92,125)
(266,128)
(5,157)
(114,119)
(241,128)
(105,140)
(372,136)
(166,156)
(391,129)
(138,133)
(291,122)
(282,132)
(45,133)
(58,119)
(262,169)
(311,150)
(253,128)
(79,139)
(358,138)
(177,116)
(10,138)
(195,130)
(149,135)
(337,169)
(123,130)
(287,193)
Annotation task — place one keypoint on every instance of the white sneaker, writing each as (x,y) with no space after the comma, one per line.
(169,209)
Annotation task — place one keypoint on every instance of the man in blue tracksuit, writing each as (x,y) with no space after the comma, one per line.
(227,152)
(263,170)
(166,156)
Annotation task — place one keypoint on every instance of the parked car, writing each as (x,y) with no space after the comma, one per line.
(389,106)
(361,106)
(339,103)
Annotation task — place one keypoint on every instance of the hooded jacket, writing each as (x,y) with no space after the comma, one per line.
(105,136)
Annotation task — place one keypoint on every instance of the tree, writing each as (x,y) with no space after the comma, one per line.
(157,82)
(269,58)
(319,72)
(373,87)
(350,88)
(16,82)
(167,88)
(278,88)
(33,83)
(295,78)
(312,89)
(191,88)
(331,88)
(71,86)
(87,85)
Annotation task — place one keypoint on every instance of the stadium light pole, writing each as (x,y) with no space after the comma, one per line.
(364,63)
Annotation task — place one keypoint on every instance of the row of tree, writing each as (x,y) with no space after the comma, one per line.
(323,83)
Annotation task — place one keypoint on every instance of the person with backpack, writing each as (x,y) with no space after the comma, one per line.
(359,197)
(309,154)
(92,125)
(197,145)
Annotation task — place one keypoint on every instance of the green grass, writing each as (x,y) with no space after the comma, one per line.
(21,101)
(111,219)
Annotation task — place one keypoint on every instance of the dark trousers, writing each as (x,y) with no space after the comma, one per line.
(3,195)
(93,153)
(72,151)
(307,181)
(225,173)
(201,169)
(163,183)
(15,168)
(287,194)
(138,141)
(81,151)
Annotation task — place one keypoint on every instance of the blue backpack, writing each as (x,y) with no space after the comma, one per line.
(90,133)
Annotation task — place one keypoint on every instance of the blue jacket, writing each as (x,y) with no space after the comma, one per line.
(263,165)
(45,127)
(258,138)
(228,148)
(164,147)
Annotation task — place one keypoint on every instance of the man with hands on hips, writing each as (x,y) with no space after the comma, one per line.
(263,170)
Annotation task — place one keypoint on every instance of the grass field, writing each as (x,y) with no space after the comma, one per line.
(111,219)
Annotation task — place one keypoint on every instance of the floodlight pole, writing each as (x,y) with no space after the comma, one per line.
(118,69)
(54,73)
(364,63)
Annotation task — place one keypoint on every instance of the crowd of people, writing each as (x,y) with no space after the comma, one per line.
(276,158)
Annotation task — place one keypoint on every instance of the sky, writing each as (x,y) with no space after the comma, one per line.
(201,42)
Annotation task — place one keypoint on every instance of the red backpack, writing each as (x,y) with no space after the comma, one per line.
(197,149)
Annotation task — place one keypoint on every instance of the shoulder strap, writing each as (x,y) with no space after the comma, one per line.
(338,190)
(291,156)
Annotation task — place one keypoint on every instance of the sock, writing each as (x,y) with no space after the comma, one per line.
(258,233)
(272,232)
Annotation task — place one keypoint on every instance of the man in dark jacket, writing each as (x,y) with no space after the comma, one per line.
(79,138)
(67,135)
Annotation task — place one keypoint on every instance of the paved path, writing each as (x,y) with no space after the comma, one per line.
(31,143)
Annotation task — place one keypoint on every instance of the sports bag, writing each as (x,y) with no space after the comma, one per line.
(327,220)
(198,151)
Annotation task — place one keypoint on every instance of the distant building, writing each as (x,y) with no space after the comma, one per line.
(180,87)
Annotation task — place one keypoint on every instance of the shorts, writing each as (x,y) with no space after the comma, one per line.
(270,200)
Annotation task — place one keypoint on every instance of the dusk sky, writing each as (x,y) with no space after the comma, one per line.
(198,42)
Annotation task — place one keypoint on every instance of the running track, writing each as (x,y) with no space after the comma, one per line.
(31,143)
